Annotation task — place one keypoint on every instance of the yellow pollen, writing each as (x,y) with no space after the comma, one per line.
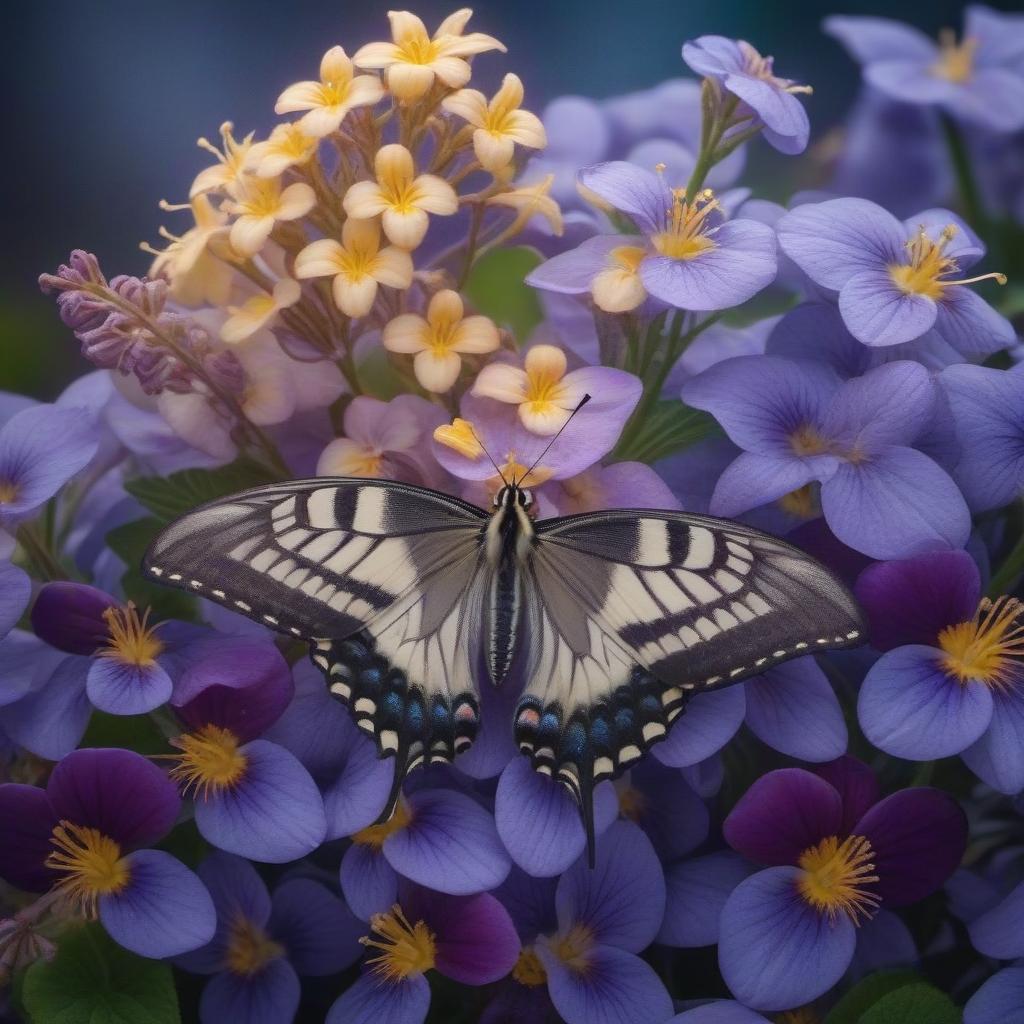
(209,760)
(835,875)
(574,947)
(627,257)
(368,463)
(805,440)
(90,863)
(459,436)
(8,492)
(764,69)
(262,198)
(131,640)
(513,469)
(801,503)
(249,948)
(956,60)
(333,93)
(632,803)
(529,971)
(988,648)
(929,268)
(405,949)
(686,227)
(418,48)
(374,835)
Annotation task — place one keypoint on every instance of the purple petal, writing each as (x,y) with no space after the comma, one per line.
(269,997)
(997,933)
(898,504)
(919,836)
(319,932)
(969,895)
(674,817)
(709,721)
(530,903)
(495,743)
(163,911)
(998,756)
(742,262)
(776,951)
(572,272)
(721,1011)
(616,987)
(910,707)
(999,1001)
(966,246)
(451,844)
(871,39)
(856,784)
(705,777)
(753,480)
(15,590)
(878,313)
(124,689)
(518,1004)
(883,942)
(372,1001)
(273,813)
(368,881)
(910,601)
(992,98)
(783,813)
(118,792)
(696,893)
(51,720)
(69,616)
(785,119)
(539,822)
(633,190)
(834,240)
(26,822)
(621,900)
(713,55)
(793,709)
(357,796)
(911,81)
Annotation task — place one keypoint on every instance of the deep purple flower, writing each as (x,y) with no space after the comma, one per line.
(797,422)
(470,939)
(833,856)
(88,834)
(688,256)
(742,71)
(951,680)
(263,943)
(979,80)
(896,281)
(252,797)
(999,1001)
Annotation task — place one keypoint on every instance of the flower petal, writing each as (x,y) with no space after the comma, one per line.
(124,689)
(50,720)
(672,815)
(878,313)
(372,1001)
(368,882)
(997,932)
(998,756)
(696,893)
(856,784)
(268,997)
(320,934)
(15,591)
(633,190)
(26,821)
(1000,1000)
(708,722)
(357,796)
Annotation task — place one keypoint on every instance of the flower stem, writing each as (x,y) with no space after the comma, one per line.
(1012,567)
(44,560)
(970,195)
(709,151)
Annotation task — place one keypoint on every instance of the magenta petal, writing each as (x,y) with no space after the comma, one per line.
(118,792)
(122,689)
(919,837)
(164,910)
(622,898)
(997,932)
(368,881)
(451,844)
(856,784)
(775,951)
(782,814)
(372,1001)
(270,997)
(26,823)
(696,893)
(321,935)
(709,721)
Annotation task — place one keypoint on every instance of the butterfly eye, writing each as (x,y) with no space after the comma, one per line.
(526,498)
(499,498)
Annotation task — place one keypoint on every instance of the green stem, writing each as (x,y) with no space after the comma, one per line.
(970,195)
(44,560)
(1013,565)
(709,156)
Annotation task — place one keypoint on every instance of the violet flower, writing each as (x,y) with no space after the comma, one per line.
(999,1000)
(996,932)
(88,833)
(951,680)
(15,591)
(833,857)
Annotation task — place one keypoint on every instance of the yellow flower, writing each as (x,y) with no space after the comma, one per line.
(289,145)
(259,311)
(499,124)
(330,99)
(618,288)
(532,200)
(228,168)
(357,264)
(438,340)
(402,198)
(413,59)
(260,203)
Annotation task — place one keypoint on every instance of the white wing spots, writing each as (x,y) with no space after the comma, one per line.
(740,550)
(706,628)
(742,612)
(702,549)
(325,544)
(369,515)
(702,591)
(281,569)
(264,560)
(243,550)
(738,565)
(155,571)
(668,592)
(627,600)
(389,565)
(293,538)
(757,604)
(349,554)
(284,508)
(729,583)
(724,619)
(652,543)
(320,507)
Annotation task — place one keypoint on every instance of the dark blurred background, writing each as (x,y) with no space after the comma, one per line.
(105,100)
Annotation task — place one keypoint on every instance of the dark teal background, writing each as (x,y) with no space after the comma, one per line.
(104,101)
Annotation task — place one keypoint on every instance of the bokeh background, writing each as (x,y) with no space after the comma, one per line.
(105,100)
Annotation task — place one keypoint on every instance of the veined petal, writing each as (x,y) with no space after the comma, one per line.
(1000,1000)
(365,90)
(710,721)
(877,313)
(249,234)
(997,756)
(320,934)
(300,96)
(493,151)
(697,889)
(354,298)
(632,190)
(364,199)
(268,997)
(394,267)
(123,689)
(321,258)
(368,882)
(408,82)
(468,45)
(527,129)
(369,1000)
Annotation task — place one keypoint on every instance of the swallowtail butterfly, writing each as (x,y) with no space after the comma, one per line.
(412,601)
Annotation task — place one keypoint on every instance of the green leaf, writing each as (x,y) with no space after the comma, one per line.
(129,542)
(913,1004)
(496,287)
(667,428)
(173,496)
(92,980)
(873,991)
(133,732)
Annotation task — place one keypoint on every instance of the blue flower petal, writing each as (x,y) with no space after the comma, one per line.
(696,893)
(269,997)
(999,1001)
(368,881)
(372,1001)
(320,934)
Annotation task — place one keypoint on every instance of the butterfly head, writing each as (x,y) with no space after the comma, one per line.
(512,495)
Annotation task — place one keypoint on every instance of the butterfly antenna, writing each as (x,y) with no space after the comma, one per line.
(536,462)
(497,468)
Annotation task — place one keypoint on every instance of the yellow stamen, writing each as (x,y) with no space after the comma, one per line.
(801,503)
(573,948)
(805,440)
(131,640)
(374,835)
(406,948)
(91,865)
(929,267)
(627,257)
(686,232)
(513,469)
(369,463)
(529,971)
(835,874)
(459,436)
(764,68)
(632,803)
(249,948)
(988,648)
(956,60)
(8,492)
(210,760)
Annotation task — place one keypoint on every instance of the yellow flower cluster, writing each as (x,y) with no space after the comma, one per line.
(315,229)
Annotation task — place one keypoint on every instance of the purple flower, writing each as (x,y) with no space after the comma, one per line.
(696,891)
(987,408)
(15,591)
(263,943)
(470,939)
(88,833)
(896,280)
(997,931)
(721,1011)
(620,485)
(797,423)
(687,256)
(979,80)
(951,680)
(252,797)
(999,1000)
(742,71)
(833,855)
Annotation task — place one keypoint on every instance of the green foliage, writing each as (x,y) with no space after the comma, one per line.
(668,427)
(894,997)
(92,980)
(497,288)
(132,732)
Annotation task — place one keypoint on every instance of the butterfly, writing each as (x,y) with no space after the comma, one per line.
(413,601)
